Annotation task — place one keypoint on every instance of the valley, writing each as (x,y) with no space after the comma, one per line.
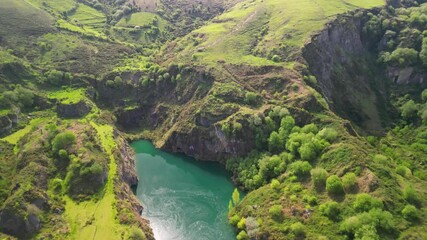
(316,109)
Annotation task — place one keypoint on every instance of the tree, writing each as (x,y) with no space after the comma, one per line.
(270,167)
(318,176)
(423,53)
(409,109)
(298,229)
(275,144)
(275,212)
(349,181)
(331,210)
(334,185)
(300,168)
(236,197)
(242,235)
(365,202)
(328,134)
(307,151)
(251,98)
(275,185)
(63,141)
(410,195)
(402,57)
(410,212)
(366,232)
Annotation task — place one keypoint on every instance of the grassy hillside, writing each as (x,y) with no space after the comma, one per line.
(252,32)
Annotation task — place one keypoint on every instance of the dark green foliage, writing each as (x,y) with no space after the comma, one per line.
(275,58)
(63,141)
(275,143)
(381,220)
(365,202)
(300,168)
(276,213)
(318,177)
(410,212)
(63,155)
(402,170)
(334,185)
(331,210)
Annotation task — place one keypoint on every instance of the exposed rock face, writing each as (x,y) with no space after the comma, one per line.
(7,122)
(73,110)
(125,158)
(348,76)
(13,223)
(210,144)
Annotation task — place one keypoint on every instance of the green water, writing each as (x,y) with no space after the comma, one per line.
(183,199)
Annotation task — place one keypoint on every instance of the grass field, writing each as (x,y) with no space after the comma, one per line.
(249,31)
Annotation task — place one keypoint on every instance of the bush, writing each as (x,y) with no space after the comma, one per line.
(334,185)
(402,57)
(331,210)
(349,181)
(54,77)
(63,141)
(242,235)
(300,168)
(318,177)
(275,185)
(329,134)
(307,151)
(276,213)
(410,212)
(402,170)
(275,58)
(298,229)
(410,195)
(275,143)
(424,93)
(270,167)
(251,98)
(409,110)
(310,128)
(63,155)
(366,232)
(423,54)
(241,224)
(234,220)
(136,234)
(365,202)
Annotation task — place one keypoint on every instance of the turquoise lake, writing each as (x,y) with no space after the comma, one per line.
(184,199)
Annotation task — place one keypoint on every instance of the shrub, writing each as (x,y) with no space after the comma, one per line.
(251,98)
(410,195)
(365,202)
(236,197)
(410,212)
(242,235)
(424,93)
(307,151)
(318,176)
(63,155)
(241,224)
(298,229)
(275,212)
(402,57)
(275,58)
(402,170)
(349,181)
(270,167)
(275,184)
(423,55)
(328,134)
(409,110)
(54,77)
(331,210)
(234,220)
(366,232)
(310,128)
(334,185)
(136,234)
(300,168)
(275,143)
(63,141)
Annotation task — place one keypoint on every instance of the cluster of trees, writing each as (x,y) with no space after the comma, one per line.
(19,97)
(290,148)
(412,111)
